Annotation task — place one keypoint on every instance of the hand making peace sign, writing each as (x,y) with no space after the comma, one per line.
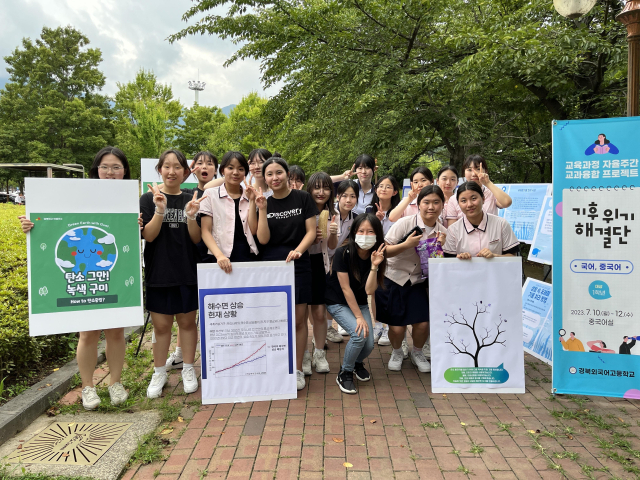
(377,256)
(380,213)
(483,177)
(193,207)
(349,173)
(159,199)
(261,200)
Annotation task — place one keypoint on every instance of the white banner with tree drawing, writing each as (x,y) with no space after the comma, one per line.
(476,325)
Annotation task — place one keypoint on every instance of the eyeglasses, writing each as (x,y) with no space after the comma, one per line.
(385,187)
(115,169)
(256,162)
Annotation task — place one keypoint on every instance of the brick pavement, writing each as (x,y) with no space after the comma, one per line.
(395,427)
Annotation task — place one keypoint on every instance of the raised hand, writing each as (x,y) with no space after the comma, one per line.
(193,207)
(26,224)
(379,213)
(333,226)
(377,256)
(248,179)
(189,171)
(159,199)
(261,200)
(413,193)
(250,192)
(349,173)
(483,177)
(293,255)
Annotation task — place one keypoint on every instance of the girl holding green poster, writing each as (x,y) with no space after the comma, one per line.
(109,164)
(170,256)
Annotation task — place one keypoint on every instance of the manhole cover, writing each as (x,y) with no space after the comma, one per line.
(70,443)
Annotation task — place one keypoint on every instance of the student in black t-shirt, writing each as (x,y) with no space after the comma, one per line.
(204,166)
(357,271)
(286,226)
(170,256)
(227,205)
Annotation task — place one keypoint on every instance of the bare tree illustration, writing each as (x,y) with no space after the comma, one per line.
(484,337)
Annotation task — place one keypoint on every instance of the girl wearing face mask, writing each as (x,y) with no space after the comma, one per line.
(448,181)
(170,255)
(479,234)
(347,195)
(405,299)
(110,163)
(286,226)
(475,170)
(357,270)
(420,178)
(364,167)
(229,204)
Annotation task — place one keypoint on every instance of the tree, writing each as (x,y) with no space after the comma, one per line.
(50,110)
(480,332)
(147,118)
(400,80)
(244,130)
(199,124)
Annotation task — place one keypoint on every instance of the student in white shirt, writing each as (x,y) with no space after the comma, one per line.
(420,178)
(478,234)
(476,170)
(447,180)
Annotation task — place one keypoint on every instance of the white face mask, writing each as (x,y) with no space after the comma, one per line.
(365,242)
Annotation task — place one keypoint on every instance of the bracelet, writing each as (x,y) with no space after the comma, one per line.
(158,213)
(374,269)
(188,217)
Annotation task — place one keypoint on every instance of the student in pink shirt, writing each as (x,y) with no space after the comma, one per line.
(447,180)
(478,234)
(475,170)
(420,178)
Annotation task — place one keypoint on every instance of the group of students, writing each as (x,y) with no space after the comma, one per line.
(353,243)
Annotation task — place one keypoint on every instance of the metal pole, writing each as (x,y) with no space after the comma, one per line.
(630,18)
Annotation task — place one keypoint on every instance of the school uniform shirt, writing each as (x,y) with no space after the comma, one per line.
(342,263)
(344,228)
(222,209)
(451,210)
(286,218)
(490,205)
(321,246)
(386,222)
(171,259)
(406,265)
(493,233)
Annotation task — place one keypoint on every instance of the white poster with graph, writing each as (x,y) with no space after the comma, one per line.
(475,311)
(247,332)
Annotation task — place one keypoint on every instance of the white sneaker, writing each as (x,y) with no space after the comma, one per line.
(377,332)
(426,350)
(320,361)
(174,361)
(405,349)
(306,363)
(333,335)
(158,381)
(313,341)
(395,362)
(90,398)
(384,338)
(420,361)
(342,331)
(300,381)
(118,394)
(189,380)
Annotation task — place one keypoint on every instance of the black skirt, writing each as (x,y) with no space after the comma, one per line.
(318,280)
(401,305)
(302,268)
(172,300)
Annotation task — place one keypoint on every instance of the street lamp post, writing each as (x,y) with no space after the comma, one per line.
(630,18)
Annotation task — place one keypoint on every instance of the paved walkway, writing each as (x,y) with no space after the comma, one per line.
(395,427)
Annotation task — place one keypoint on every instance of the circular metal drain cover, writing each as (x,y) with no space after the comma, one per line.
(70,443)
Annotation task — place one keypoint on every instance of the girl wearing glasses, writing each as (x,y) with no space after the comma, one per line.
(385,199)
(109,164)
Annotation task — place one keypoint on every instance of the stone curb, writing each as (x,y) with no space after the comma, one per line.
(19,412)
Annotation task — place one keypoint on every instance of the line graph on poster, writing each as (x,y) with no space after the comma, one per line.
(238,359)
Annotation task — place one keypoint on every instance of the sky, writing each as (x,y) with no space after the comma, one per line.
(132,35)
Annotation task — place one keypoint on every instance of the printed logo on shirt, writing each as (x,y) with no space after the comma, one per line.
(288,214)
(174,217)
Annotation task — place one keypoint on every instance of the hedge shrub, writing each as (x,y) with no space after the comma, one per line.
(19,352)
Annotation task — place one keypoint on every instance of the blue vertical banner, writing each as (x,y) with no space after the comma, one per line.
(596,257)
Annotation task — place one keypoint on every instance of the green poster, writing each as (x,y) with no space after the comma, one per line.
(84,261)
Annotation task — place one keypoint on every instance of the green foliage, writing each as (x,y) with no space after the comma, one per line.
(19,352)
(244,130)
(199,124)
(399,80)
(50,109)
(147,118)
(149,450)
